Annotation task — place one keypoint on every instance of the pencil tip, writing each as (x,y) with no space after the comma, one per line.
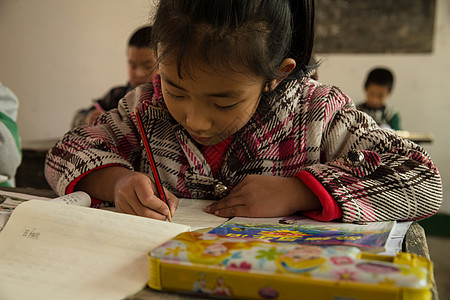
(169,216)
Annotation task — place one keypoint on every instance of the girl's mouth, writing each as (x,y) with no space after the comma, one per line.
(201,139)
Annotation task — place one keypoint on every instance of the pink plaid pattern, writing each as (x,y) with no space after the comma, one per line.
(302,126)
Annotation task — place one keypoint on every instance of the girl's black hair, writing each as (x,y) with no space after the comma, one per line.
(256,34)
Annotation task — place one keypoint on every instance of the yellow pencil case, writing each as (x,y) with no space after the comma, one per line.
(218,266)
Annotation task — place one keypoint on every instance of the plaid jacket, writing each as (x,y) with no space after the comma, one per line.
(303,126)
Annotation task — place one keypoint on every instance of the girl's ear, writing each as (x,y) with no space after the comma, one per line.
(286,67)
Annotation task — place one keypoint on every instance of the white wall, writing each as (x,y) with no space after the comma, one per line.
(421,92)
(57,55)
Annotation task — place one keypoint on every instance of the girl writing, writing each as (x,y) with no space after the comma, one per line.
(235,116)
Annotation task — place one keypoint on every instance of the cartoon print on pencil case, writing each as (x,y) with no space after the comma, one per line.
(221,288)
(209,249)
(199,285)
(380,268)
(217,287)
(301,259)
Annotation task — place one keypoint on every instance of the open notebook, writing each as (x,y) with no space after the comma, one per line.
(51,250)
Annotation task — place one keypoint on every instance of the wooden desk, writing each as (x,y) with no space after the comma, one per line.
(417,137)
(415,242)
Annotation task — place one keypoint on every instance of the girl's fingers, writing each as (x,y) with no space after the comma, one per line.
(136,196)
(125,207)
(149,201)
(172,200)
(148,213)
(232,211)
(235,198)
(144,211)
(226,203)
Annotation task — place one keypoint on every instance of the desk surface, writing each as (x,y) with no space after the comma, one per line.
(415,242)
(39,145)
(417,137)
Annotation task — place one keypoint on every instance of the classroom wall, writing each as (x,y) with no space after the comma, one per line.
(57,55)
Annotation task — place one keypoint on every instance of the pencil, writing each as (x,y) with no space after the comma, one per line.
(159,186)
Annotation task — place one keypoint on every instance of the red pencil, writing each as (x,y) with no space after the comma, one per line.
(152,162)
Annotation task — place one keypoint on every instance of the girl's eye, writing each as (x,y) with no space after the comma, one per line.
(173,96)
(226,107)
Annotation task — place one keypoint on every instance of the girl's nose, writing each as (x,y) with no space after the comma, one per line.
(197,120)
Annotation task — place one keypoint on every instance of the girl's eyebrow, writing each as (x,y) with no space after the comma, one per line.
(163,76)
(222,94)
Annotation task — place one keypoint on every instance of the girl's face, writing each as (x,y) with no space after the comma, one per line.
(210,104)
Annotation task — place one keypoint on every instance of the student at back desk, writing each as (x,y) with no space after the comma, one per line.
(378,87)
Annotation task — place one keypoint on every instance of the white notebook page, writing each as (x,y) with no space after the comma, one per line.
(192,212)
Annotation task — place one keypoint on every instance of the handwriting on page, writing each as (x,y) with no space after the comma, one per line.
(76,198)
(31,234)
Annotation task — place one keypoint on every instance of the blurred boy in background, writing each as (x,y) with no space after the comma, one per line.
(378,87)
(141,69)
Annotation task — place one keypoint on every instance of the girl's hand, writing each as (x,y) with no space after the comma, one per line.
(135,194)
(132,192)
(266,196)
